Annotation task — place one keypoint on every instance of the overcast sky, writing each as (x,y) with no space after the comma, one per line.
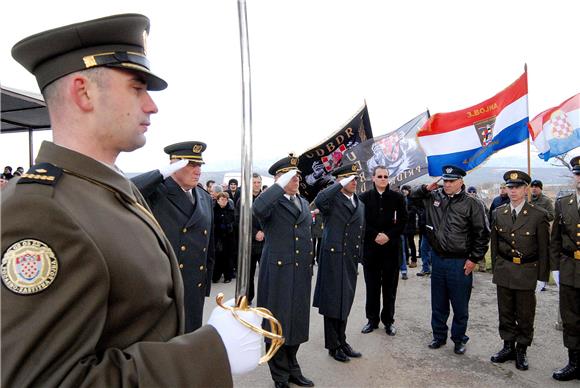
(314,63)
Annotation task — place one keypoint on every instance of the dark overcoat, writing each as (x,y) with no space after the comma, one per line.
(565,242)
(284,282)
(340,252)
(111,315)
(189,228)
(528,239)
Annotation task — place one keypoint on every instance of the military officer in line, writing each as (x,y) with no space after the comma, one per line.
(285,277)
(565,263)
(340,253)
(91,291)
(520,240)
(185,212)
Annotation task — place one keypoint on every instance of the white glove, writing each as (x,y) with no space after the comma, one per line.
(243,345)
(168,170)
(346,181)
(286,178)
(539,286)
(556,275)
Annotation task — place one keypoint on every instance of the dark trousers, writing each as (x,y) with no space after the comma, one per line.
(224,264)
(375,279)
(570,310)
(284,363)
(253,264)
(411,248)
(449,285)
(334,333)
(517,310)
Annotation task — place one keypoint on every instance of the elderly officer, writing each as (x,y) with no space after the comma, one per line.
(91,292)
(285,277)
(519,255)
(565,263)
(458,232)
(340,253)
(185,212)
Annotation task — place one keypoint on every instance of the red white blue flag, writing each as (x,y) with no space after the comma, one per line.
(467,137)
(557,130)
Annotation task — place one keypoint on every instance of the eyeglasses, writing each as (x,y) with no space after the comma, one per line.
(382,176)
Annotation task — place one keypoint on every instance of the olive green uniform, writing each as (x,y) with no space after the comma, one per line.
(110,310)
(520,258)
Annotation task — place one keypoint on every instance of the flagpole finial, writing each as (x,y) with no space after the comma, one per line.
(525,67)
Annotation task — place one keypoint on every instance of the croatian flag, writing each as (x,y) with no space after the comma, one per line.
(465,138)
(557,130)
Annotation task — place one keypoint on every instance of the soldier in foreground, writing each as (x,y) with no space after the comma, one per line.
(520,241)
(91,291)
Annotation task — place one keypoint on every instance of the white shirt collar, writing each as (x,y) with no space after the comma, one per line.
(518,208)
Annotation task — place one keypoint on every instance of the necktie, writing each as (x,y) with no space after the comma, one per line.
(190,196)
(514,215)
(295,201)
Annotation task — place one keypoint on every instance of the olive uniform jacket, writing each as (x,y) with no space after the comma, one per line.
(340,252)
(520,250)
(189,229)
(565,245)
(110,311)
(285,278)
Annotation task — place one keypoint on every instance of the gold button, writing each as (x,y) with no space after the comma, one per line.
(310,253)
(295,226)
(577,234)
(198,285)
(181,266)
(297,251)
(357,246)
(184,230)
(527,233)
(512,234)
(500,229)
(183,248)
(204,249)
(205,232)
(297,264)
(513,243)
(201,267)
(513,250)
(311,239)
(331,249)
(577,242)
(279,263)
(296,238)
(578,225)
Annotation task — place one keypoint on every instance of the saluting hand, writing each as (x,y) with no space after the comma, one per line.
(168,170)
(433,185)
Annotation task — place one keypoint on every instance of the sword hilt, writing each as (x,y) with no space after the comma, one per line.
(275,333)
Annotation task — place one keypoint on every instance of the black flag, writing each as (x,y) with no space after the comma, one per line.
(317,163)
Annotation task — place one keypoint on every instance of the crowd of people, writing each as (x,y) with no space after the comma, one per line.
(106,285)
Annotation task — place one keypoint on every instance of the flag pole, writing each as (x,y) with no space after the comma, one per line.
(528,141)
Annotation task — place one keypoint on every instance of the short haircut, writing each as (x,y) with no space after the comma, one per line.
(257,176)
(380,167)
(217,188)
(209,182)
(221,194)
(232,181)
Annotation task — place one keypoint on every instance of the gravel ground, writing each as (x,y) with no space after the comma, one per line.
(405,361)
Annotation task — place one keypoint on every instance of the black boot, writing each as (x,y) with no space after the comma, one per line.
(521,357)
(508,352)
(570,371)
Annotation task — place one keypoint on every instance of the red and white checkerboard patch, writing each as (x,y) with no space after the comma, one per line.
(561,126)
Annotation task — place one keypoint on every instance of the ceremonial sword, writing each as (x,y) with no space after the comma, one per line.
(245,240)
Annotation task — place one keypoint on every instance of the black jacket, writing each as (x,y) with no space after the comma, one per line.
(457,226)
(385,213)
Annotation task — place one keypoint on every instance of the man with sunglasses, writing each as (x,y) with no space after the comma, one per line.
(386,216)
(340,253)
(185,212)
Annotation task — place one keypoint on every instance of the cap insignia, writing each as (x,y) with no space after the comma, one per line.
(514,175)
(197,148)
(449,170)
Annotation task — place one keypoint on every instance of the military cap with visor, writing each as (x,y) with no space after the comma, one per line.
(575,163)
(283,165)
(188,150)
(451,173)
(515,178)
(345,170)
(118,41)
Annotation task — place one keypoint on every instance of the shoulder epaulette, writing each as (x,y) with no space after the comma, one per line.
(503,205)
(43,173)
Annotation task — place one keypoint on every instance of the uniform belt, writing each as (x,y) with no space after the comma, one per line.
(573,254)
(519,260)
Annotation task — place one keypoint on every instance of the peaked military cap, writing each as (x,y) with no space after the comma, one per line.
(345,170)
(514,178)
(189,150)
(451,173)
(118,41)
(575,163)
(286,164)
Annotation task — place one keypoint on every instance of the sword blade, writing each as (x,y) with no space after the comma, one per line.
(245,241)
